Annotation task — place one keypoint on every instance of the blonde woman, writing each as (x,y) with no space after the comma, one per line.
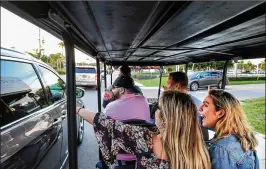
(234,143)
(178,146)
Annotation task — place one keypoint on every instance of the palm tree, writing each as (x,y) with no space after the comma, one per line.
(61,45)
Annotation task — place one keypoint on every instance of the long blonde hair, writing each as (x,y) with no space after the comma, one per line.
(181,135)
(234,122)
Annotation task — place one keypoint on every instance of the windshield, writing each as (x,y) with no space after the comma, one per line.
(85,70)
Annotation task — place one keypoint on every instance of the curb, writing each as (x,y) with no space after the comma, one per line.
(260,135)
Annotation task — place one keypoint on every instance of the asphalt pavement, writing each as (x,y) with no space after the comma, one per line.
(88,150)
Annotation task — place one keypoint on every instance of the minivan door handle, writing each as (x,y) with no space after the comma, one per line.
(64,114)
(57,120)
(63,117)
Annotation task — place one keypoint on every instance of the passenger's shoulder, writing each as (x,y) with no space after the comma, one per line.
(228,144)
(226,140)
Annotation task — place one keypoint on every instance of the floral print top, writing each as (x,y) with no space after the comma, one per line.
(114,136)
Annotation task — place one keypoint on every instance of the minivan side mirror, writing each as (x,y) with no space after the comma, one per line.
(80,92)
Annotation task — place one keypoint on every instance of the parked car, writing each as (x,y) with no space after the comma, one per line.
(262,71)
(33,114)
(204,79)
(86,76)
(256,72)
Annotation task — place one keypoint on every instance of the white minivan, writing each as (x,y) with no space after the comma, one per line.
(86,76)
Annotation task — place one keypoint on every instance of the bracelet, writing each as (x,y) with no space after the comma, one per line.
(79,110)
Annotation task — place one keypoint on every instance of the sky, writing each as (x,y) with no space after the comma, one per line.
(23,35)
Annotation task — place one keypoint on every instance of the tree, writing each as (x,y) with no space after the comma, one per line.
(241,65)
(61,45)
(262,64)
(34,53)
(170,69)
(56,60)
(84,64)
(250,66)
(45,59)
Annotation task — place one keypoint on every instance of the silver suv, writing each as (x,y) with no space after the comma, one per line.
(197,80)
(86,76)
(33,114)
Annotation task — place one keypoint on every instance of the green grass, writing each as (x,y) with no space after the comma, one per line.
(152,82)
(246,82)
(155,82)
(255,111)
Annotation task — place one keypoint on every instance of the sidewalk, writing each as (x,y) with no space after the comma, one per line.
(261,149)
(246,87)
(139,84)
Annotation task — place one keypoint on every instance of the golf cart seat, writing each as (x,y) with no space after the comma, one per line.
(128,164)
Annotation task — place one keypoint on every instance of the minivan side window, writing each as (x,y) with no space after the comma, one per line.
(205,74)
(55,84)
(21,91)
(215,74)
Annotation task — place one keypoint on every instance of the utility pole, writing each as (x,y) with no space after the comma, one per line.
(235,65)
(39,52)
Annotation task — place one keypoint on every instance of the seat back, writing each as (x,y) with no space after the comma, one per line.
(141,123)
(136,122)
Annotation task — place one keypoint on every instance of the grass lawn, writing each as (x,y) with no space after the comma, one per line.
(152,82)
(155,82)
(246,82)
(255,111)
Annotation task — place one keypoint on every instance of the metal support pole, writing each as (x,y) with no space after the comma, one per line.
(71,100)
(224,74)
(186,68)
(111,75)
(105,82)
(161,73)
(98,84)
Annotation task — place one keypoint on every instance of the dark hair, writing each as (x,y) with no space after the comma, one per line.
(124,81)
(125,70)
(180,77)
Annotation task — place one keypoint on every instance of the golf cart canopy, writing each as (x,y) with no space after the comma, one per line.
(150,33)
(154,32)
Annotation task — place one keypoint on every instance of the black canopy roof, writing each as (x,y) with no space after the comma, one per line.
(154,32)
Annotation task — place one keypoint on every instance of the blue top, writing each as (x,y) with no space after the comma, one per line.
(227,153)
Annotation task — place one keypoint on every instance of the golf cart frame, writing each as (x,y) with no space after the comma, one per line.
(150,33)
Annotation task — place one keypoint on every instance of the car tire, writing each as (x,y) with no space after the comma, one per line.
(220,83)
(80,130)
(194,86)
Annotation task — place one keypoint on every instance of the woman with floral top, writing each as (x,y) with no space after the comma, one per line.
(179,145)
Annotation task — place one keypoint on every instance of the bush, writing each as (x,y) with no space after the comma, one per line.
(145,76)
(245,78)
(61,72)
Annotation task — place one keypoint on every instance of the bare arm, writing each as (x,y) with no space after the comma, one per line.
(86,115)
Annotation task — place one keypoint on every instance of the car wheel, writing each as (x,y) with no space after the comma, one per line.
(80,130)
(220,84)
(194,86)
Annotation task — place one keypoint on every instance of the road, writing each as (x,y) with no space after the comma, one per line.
(88,151)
